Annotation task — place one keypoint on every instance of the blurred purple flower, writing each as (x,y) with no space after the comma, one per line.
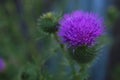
(2,65)
(80,28)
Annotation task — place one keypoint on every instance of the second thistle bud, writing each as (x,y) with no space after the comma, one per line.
(2,65)
(48,22)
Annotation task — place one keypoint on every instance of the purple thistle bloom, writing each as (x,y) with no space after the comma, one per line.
(80,28)
(2,65)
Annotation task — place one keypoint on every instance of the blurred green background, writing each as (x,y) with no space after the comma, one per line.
(21,41)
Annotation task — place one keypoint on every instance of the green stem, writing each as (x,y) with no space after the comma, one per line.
(61,45)
(83,73)
(65,53)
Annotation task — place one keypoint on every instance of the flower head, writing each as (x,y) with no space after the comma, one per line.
(2,65)
(80,28)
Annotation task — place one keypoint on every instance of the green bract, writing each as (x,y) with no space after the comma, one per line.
(83,54)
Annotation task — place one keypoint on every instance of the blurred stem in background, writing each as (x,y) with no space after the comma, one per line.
(114,60)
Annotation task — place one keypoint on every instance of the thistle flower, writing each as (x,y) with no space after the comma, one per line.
(2,65)
(80,29)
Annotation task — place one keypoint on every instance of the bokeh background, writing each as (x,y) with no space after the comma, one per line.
(20,38)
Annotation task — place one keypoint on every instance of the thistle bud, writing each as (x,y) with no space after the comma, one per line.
(48,22)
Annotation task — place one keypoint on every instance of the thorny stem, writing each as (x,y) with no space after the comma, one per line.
(83,71)
(61,45)
(82,75)
(70,61)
